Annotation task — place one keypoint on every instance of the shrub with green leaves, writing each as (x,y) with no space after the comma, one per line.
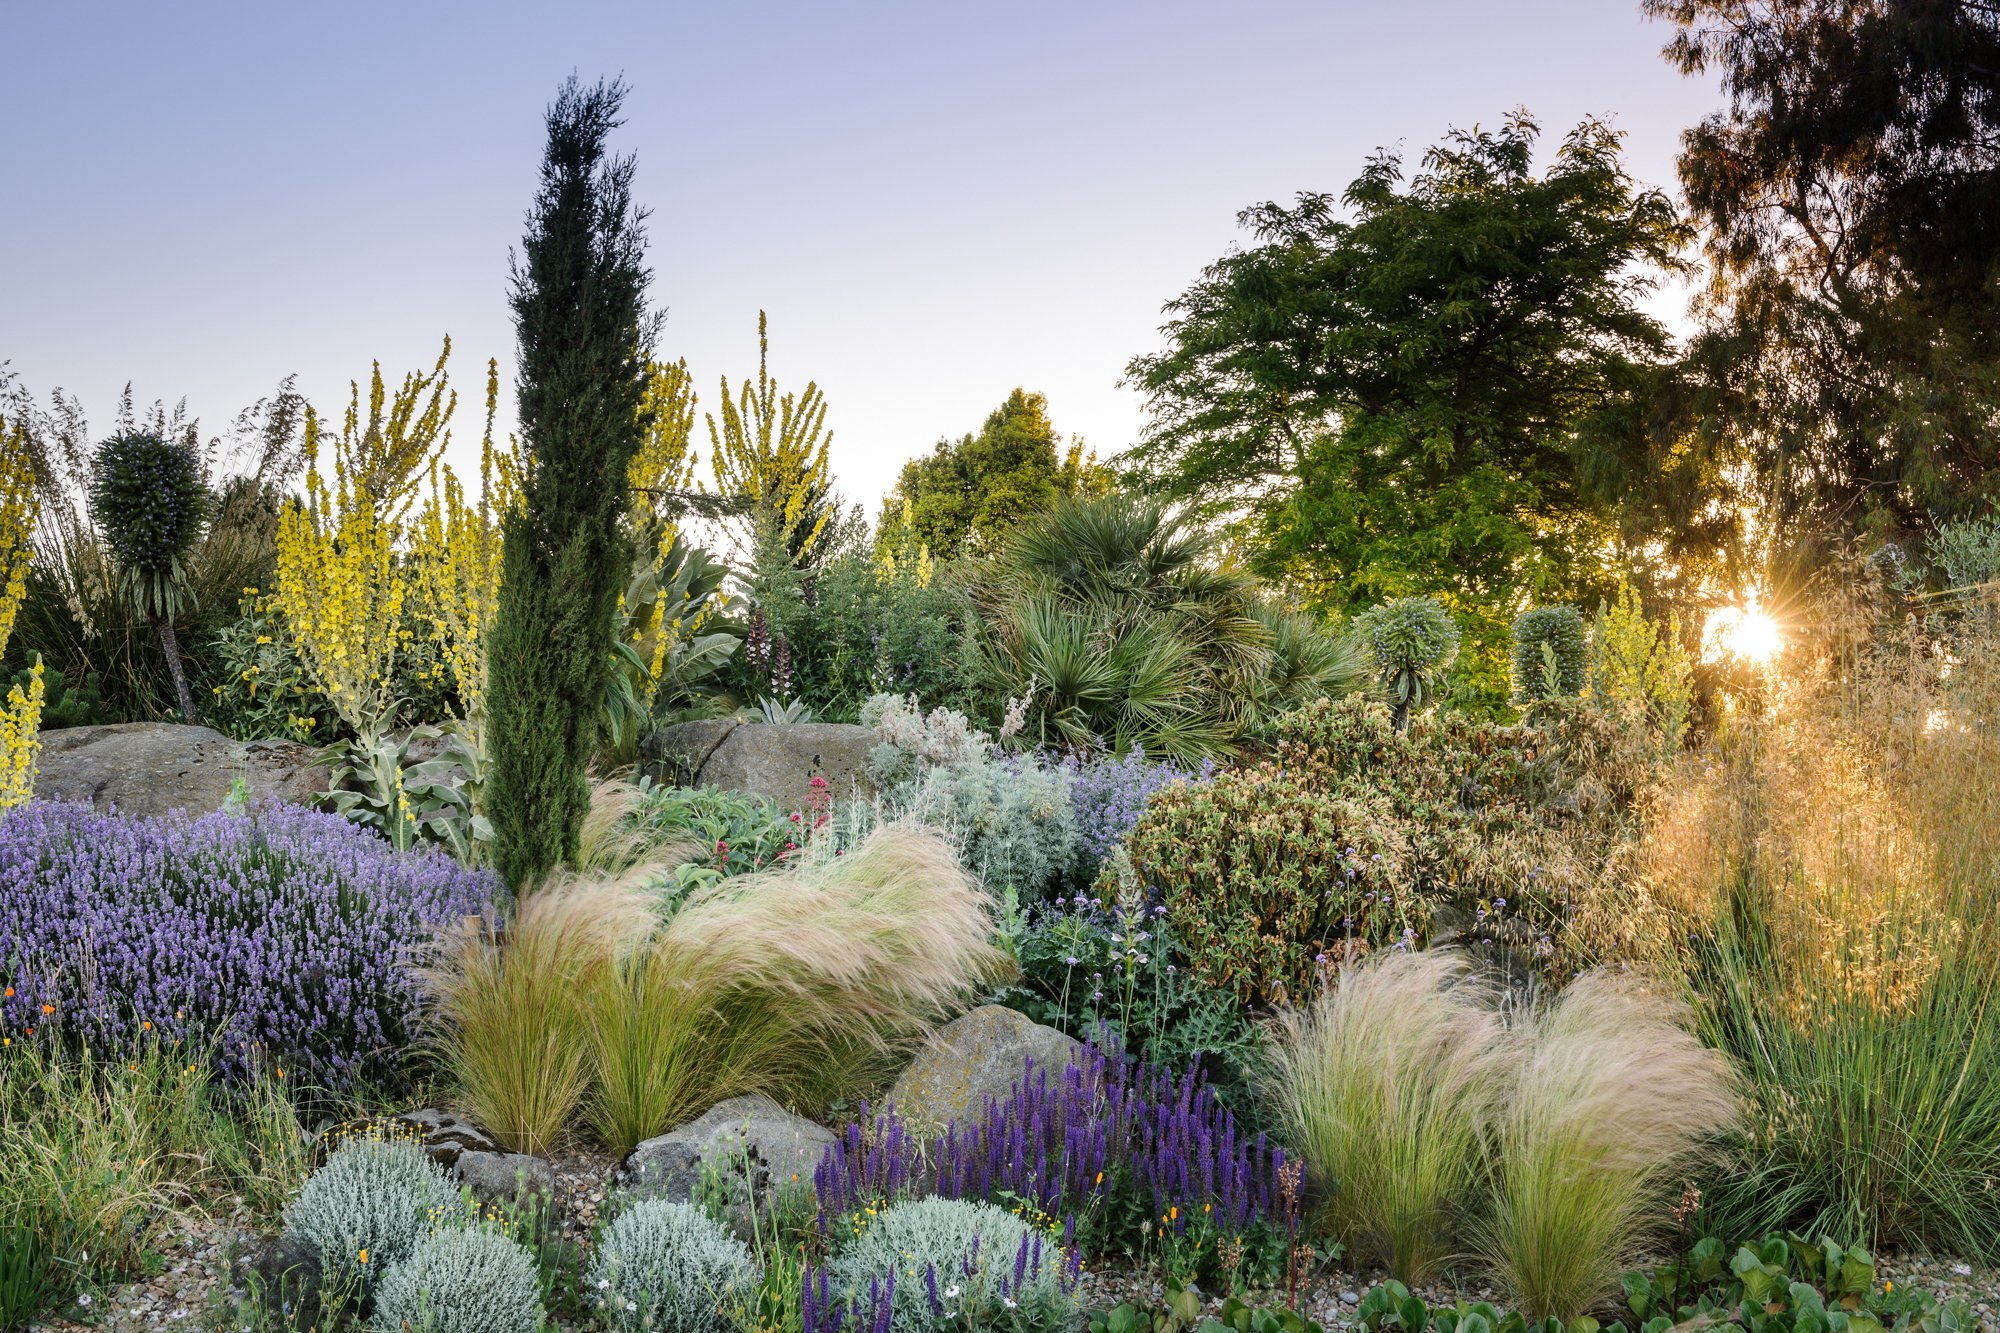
(955,1264)
(369,1207)
(724,833)
(1414,641)
(1551,653)
(462,1281)
(669,1268)
(1266,875)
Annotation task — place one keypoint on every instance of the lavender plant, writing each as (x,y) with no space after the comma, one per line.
(1129,1157)
(282,936)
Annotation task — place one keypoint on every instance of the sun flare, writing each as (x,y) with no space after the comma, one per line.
(1746,632)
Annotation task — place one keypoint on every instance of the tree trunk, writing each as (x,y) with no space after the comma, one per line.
(170,644)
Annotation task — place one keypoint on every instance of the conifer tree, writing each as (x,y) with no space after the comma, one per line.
(578,296)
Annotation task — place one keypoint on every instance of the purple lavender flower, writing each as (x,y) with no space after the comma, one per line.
(284,937)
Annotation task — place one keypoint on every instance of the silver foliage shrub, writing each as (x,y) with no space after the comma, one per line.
(668,1268)
(955,1264)
(462,1282)
(1010,818)
(374,1199)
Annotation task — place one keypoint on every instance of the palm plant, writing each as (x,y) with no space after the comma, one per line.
(149,500)
(1115,619)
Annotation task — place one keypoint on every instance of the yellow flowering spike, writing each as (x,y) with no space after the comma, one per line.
(20,723)
(341,583)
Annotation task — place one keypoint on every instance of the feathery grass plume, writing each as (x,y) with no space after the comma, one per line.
(1610,1097)
(1825,895)
(797,983)
(1383,1082)
(610,841)
(509,1008)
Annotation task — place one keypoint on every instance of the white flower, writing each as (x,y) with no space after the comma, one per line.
(951,1293)
(84,1300)
(632,1306)
(1010,1302)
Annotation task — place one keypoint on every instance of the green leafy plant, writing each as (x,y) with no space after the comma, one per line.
(1551,654)
(63,704)
(1265,877)
(261,689)
(150,502)
(1414,642)
(1784,1284)
(29,1276)
(387,788)
(715,833)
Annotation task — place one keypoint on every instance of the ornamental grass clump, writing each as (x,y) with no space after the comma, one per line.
(285,937)
(1382,1083)
(1825,895)
(791,982)
(665,1267)
(462,1281)
(1610,1098)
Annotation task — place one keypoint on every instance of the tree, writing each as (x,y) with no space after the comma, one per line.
(149,498)
(578,295)
(976,488)
(1849,197)
(1401,399)
(770,457)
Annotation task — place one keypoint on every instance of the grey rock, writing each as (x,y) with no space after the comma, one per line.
(774,760)
(505,1177)
(975,1059)
(150,768)
(750,1146)
(445,1136)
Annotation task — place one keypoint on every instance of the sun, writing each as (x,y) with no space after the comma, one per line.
(1747,633)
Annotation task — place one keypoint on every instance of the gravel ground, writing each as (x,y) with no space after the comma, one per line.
(205,1262)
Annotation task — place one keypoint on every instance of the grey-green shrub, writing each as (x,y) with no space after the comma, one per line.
(668,1268)
(1011,821)
(964,1251)
(1551,654)
(462,1282)
(369,1207)
(1414,642)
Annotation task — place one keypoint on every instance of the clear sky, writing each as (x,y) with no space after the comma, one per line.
(935,202)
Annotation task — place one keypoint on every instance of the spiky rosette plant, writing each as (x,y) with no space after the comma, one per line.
(1551,654)
(150,501)
(1414,642)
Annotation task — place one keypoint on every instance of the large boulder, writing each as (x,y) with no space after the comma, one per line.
(149,768)
(973,1060)
(777,760)
(750,1146)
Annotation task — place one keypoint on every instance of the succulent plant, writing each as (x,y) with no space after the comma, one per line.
(1414,641)
(1551,653)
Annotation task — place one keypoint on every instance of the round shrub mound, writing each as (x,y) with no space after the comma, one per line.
(954,1262)
(462,1282)
(284,936)
(369,1208)
(669,1268)
(1265,876)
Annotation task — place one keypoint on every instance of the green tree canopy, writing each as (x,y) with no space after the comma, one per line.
(1399,387)
(976,488)
(1849,197)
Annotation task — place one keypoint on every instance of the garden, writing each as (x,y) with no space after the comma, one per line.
(1374,883)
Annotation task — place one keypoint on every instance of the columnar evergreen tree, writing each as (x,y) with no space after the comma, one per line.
(578,295)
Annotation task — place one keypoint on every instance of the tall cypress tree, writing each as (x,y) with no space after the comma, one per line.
(578,293)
